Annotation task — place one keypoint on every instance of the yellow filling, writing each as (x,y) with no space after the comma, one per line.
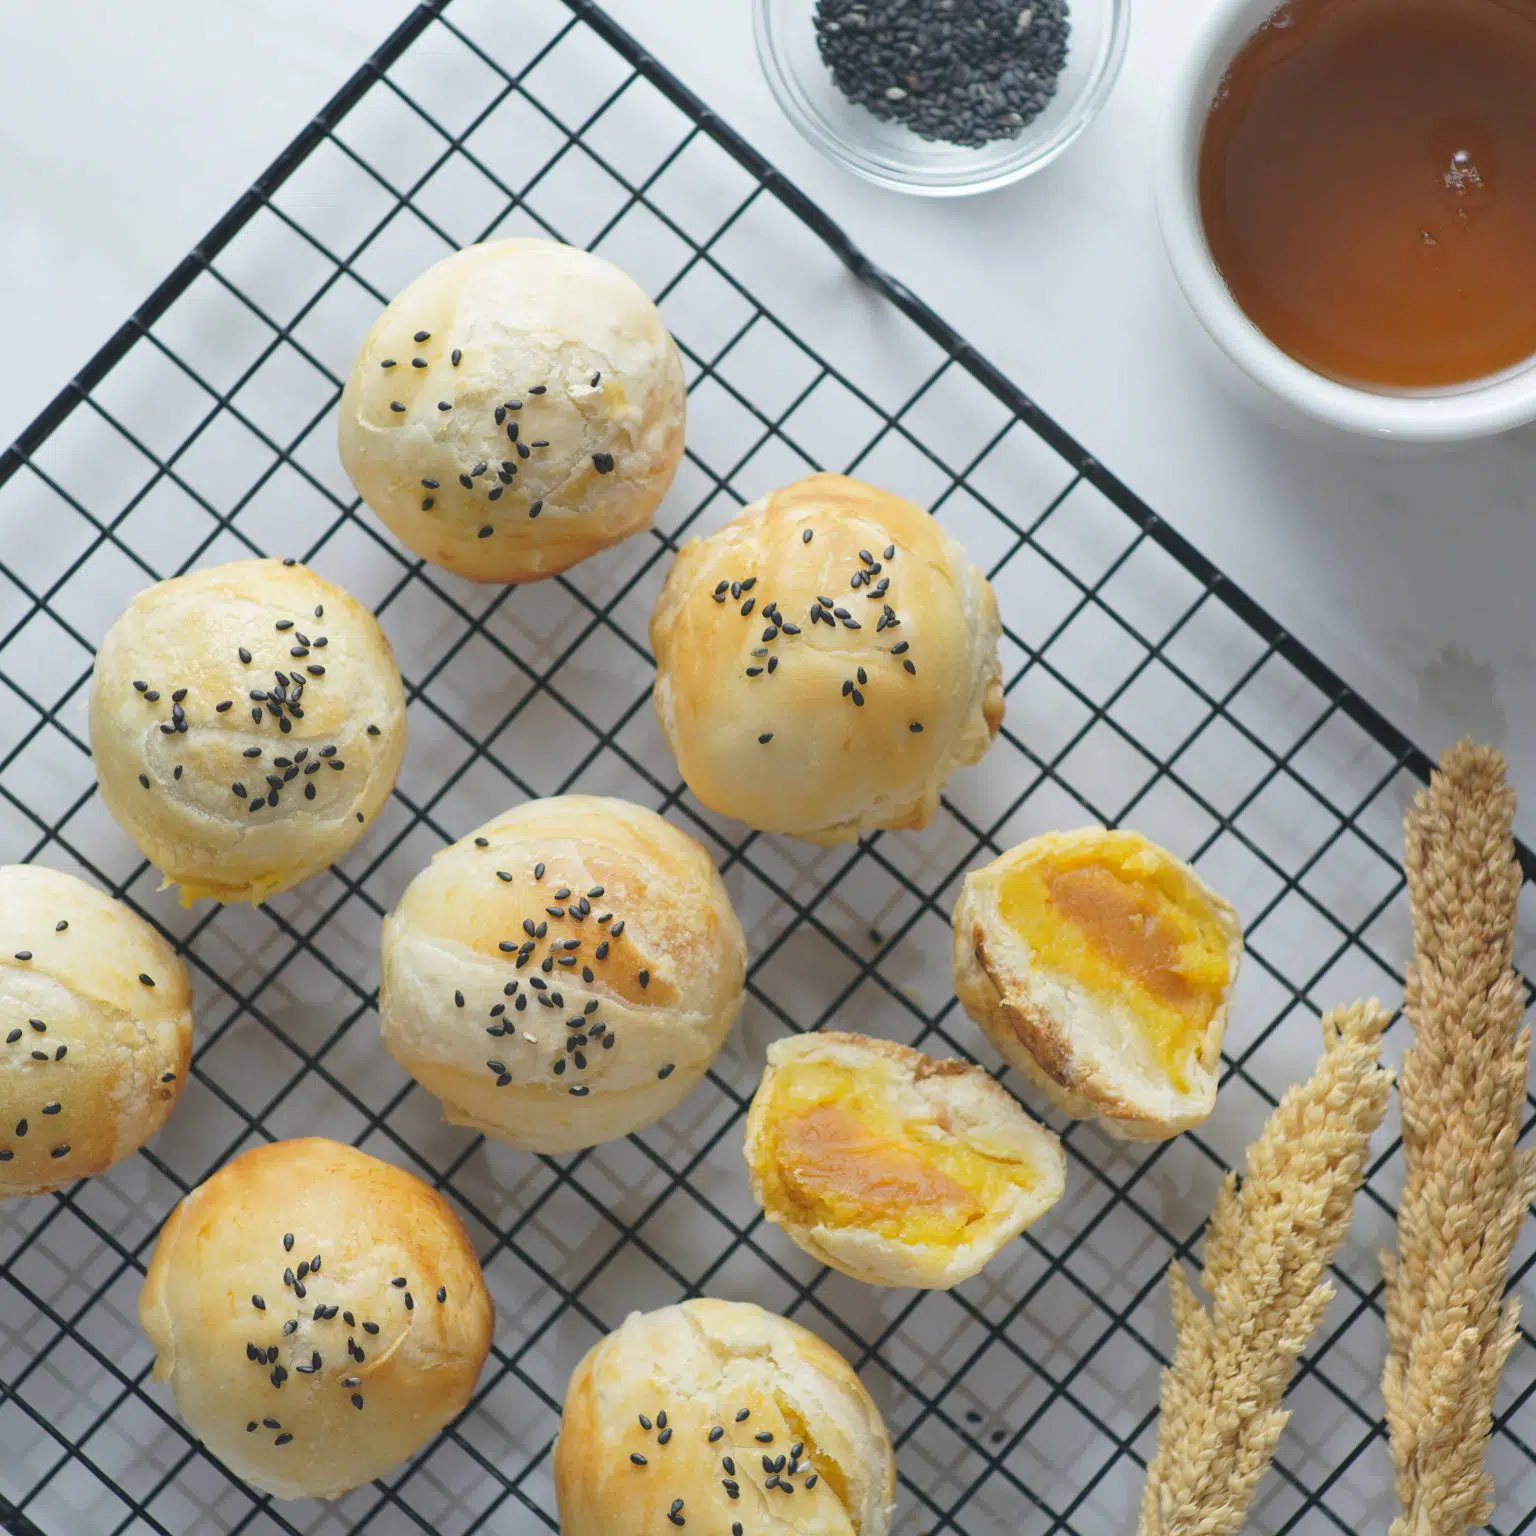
(1123,919)
(838,1154)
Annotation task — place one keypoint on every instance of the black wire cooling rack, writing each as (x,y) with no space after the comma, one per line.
(1142,688)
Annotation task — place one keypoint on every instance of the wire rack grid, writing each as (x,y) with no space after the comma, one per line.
(1142,688)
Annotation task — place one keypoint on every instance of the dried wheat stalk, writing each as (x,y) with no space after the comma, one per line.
(1267,1251)
(1467,1184)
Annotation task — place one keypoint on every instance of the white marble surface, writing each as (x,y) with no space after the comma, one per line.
(128,131)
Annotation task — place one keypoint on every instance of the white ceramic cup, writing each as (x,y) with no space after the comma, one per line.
(1456,413)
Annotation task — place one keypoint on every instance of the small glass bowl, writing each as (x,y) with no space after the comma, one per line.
(889,153)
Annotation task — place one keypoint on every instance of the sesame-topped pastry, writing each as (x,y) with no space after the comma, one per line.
(518,407)
(96,1018)
(564,975)
(721,1417)
(891,1167)
(1102,967)
(247,723)
(825,662)
(319,1314)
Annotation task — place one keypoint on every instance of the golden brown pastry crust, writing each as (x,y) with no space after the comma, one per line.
(702,1364)
(94,1055)
(960,1098)
(863,724)
(657,969)
(1058,1035)
(554,345)
(185,641)
(371,1224)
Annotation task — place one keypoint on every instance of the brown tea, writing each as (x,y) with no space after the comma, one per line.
(1368,186)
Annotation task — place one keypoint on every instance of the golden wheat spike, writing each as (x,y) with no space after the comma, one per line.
(1267,1250)
(1467,1186)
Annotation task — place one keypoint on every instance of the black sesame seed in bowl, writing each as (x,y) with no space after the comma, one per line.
(941,97)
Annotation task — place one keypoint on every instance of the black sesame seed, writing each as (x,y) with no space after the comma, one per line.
(144,780)
(418,362)
(729,1465)
(603,463)
(146,979)
(764,1437)
(370,1327)
(916,728)
(258,1303)
(539,389)
(637,1459)
(535,509)
(744,1415)
(410,1302)
(21,1128)
(422,336)
(58,1055)
(717,1433)
(388,362)
(442,1293)
(396,406)
(52,1109)
(805,538)
(665,1072)
(284,1438)
(445,405)
(13,1037)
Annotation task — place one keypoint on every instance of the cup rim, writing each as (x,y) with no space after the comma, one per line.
(1477,408)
